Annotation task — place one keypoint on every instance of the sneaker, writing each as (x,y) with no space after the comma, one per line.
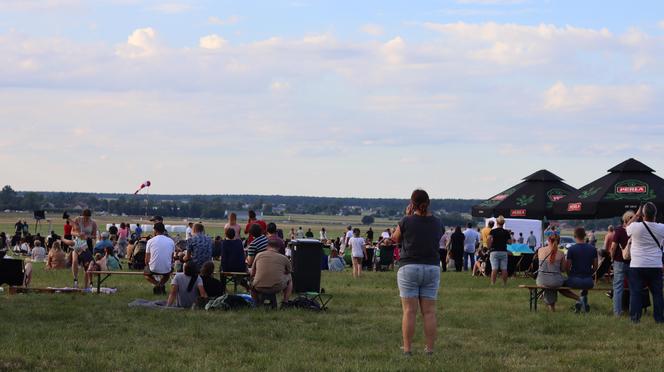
(577,307)
(75,283)
(408,353)
(586,308)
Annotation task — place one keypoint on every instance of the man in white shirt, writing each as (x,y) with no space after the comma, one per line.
(189,232)
(159,259)
(646,262)
(346,238)
(386,234)
(471,241)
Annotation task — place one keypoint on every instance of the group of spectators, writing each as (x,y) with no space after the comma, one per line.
(635,251)
(261,255)
(471,249)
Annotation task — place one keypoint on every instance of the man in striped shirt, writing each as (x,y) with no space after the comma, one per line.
(258,243)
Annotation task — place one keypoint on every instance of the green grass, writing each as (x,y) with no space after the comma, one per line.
(480,328)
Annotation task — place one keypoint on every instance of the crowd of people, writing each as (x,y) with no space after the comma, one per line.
(420,244)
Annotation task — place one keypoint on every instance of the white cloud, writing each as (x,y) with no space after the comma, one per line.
(372,29)
(231,20)
(171,8)
(141,43)
(581,97)
(212,42)
(519,45)
(280,86)
(394,50)
(373,101)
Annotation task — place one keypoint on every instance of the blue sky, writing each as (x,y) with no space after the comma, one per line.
(369,99)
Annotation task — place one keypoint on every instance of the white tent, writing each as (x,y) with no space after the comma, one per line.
(522,226)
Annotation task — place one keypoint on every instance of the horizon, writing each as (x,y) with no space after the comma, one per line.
(462,98)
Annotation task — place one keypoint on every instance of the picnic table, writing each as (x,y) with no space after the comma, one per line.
(224,276)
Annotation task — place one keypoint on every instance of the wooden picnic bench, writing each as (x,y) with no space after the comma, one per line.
(537,290)
(224,276)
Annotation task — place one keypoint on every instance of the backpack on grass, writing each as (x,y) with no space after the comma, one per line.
(228,302)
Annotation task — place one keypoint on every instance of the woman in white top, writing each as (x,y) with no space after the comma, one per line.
(646,263)
(358,250)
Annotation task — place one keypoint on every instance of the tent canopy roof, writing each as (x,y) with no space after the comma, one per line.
(631,165)
(542,175)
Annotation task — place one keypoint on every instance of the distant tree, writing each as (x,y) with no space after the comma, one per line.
(367,220)
(8,198)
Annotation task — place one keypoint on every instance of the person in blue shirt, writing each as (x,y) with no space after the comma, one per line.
(104,243)
(581,263)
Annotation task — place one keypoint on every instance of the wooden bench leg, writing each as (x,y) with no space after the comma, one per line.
(530,296)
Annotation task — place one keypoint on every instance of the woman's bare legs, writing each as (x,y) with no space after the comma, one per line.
(428,308)
(409,306)
(74,265)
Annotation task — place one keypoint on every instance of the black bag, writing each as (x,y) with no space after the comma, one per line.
(302,303)
(138,261)
(228,302)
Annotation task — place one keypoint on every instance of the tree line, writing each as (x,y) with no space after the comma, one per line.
(216,206)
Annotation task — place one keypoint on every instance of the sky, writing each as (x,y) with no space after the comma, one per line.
(327,98)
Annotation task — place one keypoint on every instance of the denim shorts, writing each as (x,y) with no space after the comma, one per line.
(578,282)
(419,281)
(498,260)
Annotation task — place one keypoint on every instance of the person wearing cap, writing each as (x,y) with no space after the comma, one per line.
(159,219)
(159,258)
(104,243)
(271,272)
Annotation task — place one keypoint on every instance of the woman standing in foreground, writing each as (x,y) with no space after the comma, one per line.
(418,277)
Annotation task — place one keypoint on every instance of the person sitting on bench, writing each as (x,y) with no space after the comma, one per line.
(552,264)
(232,254)
(213,286)
(271,273)
(581,263)
(159,258)
(186,287)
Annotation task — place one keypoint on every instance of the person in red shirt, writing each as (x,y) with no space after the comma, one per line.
(68,227)
(253,220)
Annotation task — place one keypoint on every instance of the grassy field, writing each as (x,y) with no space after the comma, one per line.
(480,328)
(335,225)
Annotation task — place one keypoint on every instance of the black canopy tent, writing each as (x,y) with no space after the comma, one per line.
(531,199)
(628,185)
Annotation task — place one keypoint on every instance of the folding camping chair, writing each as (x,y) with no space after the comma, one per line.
(386,257)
